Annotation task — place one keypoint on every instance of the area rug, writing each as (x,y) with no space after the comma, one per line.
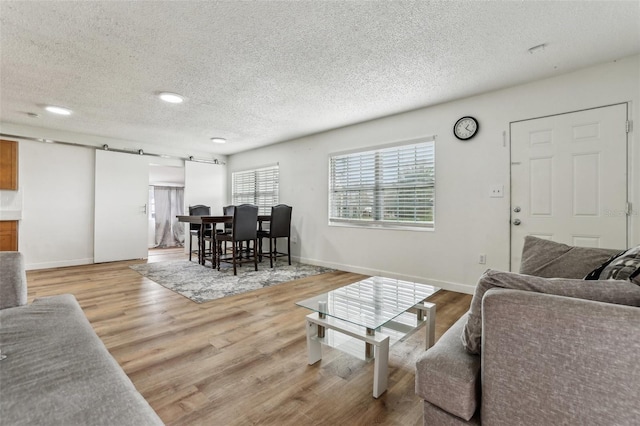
(202,284)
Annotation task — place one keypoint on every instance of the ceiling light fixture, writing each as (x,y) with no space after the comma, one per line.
(172,98)
(537,49)
(58,110)
(218,140)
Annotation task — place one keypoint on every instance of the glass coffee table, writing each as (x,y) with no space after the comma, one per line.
(375,311)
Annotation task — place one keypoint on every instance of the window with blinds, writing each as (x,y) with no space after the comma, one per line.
(258,187)
(392,186)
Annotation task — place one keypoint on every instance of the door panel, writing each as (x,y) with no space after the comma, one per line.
(122,194)
(569,179)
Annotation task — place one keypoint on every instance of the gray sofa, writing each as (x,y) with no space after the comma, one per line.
(543,347)
(55,370)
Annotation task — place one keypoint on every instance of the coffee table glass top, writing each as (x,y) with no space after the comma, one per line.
(370,303)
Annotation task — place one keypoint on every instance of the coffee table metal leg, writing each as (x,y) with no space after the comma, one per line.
(368,347)
(322,308)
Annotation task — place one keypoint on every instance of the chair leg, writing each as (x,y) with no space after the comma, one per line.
(217,260)
(289,249)
(260,249)
(233,259)
(255,253)
(270,253)
(190,245)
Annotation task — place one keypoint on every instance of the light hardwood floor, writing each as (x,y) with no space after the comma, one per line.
(240,360)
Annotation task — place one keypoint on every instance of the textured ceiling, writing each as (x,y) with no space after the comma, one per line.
(263,72)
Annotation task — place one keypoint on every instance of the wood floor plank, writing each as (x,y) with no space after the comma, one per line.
(242,359)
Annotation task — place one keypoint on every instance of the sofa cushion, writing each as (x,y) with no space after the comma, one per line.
(549,259)
(624,266)
(610,291)
(58,371)
(448,377)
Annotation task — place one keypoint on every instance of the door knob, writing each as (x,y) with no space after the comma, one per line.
(516,222)
(516,209)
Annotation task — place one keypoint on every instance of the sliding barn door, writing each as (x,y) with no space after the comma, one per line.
(122,194)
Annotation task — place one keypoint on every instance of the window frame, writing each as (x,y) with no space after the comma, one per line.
(378,189)
(265,197)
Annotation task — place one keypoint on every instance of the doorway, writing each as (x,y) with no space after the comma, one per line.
(166,201)
(569,179)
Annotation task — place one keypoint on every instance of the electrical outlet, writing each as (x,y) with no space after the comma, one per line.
(496,191)
(294,239)
(482,259)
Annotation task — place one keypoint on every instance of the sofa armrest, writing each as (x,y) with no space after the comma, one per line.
(550,359)
(448,377)
(13,280)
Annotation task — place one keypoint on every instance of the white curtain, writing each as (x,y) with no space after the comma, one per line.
(169,202)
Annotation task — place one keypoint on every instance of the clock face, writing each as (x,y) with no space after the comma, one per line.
(465,128)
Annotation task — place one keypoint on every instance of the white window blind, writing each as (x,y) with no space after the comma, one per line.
(392,186)
(258,187)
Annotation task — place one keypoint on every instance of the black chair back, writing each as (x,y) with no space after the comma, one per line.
(245,220)
(198,210)
(280,224)
(228,211)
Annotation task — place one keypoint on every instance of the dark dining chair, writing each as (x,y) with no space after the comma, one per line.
(194,228)
(243,228)
(279,227)
(227,211)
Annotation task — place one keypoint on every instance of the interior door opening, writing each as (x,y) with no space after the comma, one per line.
(166,201)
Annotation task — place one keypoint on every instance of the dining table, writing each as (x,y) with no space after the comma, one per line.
(203,221)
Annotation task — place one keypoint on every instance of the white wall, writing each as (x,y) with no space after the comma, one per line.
(56,191)
(468,221)
(205,184)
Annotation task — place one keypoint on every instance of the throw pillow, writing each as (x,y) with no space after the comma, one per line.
(609,291)
(549,259)
(595,274)
(624,267)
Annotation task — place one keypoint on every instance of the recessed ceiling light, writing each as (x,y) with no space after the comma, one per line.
(58,110)
(172,98)
(218,140)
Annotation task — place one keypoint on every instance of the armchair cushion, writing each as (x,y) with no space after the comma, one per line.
(610,291)
(549,259)
(448,377)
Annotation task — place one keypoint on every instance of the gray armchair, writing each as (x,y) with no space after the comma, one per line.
(544,358)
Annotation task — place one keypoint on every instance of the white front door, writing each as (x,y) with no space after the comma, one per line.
(121,197)
(569,179)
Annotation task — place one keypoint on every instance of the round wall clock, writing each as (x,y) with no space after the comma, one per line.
(465,128)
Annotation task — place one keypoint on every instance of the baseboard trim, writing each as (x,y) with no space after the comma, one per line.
(446,285)
(60,264)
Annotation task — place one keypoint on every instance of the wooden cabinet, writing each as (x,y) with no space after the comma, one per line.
(9,165)
(8,235)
